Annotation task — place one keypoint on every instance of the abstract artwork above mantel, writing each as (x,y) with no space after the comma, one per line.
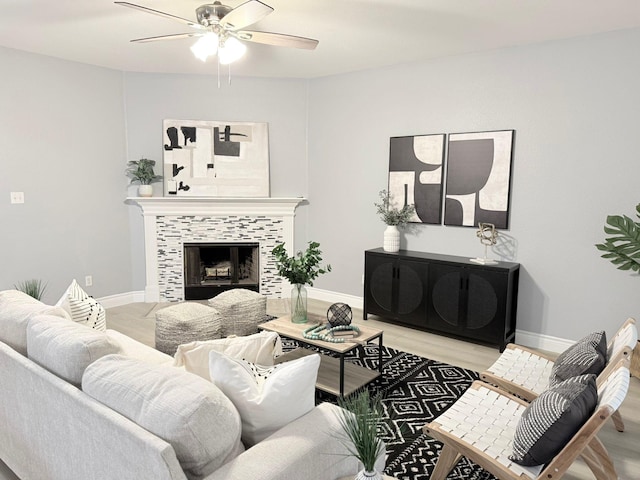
(479,178)
(415,175)
(215,159)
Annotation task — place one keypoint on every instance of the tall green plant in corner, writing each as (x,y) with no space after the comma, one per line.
(34,288)
(622,247)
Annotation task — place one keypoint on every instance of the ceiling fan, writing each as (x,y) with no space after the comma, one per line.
(219,30)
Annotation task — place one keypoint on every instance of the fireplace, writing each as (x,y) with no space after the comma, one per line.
(211,268)
(172,222)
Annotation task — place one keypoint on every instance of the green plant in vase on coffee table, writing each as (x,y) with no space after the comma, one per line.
(301,269)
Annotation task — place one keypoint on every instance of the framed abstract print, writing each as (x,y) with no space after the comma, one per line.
(415,175)
(478,185)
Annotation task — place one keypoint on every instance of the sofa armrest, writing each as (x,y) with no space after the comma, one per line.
(308,448)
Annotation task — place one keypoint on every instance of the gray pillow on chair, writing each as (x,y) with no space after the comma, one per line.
(550,421)
(588,355)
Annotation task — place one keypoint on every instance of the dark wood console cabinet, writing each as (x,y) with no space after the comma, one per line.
(444,294)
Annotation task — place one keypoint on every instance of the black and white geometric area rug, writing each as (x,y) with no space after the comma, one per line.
(415,390)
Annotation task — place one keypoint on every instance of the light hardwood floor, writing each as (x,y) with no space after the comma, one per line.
(137,320)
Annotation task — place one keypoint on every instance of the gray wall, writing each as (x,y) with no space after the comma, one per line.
(282,104)
(574,105)
(68,130)
(62,140)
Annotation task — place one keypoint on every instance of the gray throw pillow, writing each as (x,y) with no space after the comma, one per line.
(588,355)
(550,421)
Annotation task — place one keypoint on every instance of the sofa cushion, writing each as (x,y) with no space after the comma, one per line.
(550,421)
(82,308)
(266,397)
(190,413)
(16,309)
(587,356)
(66,348)
(134,349)
(260,348)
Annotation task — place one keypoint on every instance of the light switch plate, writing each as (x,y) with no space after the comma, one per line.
(17,197)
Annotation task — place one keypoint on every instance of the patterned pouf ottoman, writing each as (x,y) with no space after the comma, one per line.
(240,311)
(184,323)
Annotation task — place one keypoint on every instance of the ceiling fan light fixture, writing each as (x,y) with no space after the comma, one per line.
(206,46)
(231,50)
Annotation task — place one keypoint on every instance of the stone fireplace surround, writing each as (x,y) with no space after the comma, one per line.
(169,222)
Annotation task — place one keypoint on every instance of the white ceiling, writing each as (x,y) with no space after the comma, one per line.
(353,34)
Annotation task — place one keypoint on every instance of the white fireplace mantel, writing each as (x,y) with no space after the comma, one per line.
(154,207)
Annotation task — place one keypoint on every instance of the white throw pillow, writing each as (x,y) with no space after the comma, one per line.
(260,348)
(82,308)
(267,398)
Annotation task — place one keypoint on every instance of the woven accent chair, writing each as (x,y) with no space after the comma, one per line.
(525,372)
(240,311)
(481,425)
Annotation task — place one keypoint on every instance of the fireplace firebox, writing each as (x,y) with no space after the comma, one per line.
(212,268)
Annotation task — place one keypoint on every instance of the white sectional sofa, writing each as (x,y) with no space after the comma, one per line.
(51,429)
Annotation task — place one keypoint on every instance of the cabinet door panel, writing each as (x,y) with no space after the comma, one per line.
(382,286)
(445,285)
(411,300)
(378,284)
(486,305)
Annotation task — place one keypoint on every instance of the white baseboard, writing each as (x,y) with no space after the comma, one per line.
(542,342)
(528,339)
(120,299)
(335,297)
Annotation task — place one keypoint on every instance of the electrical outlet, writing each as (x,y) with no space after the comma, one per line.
(17,197)
(88,281)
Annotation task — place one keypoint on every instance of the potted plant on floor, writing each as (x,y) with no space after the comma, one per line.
(622,248)
(360,418)
(394,218)
(34,288)
(141,171)
(300,270)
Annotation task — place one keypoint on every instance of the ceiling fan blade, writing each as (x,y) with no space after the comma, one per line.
(175,36)
(162,14)
(245,14)
(278,39)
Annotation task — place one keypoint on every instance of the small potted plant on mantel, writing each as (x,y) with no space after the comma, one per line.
(394,218)
(300,270)
(141,171)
